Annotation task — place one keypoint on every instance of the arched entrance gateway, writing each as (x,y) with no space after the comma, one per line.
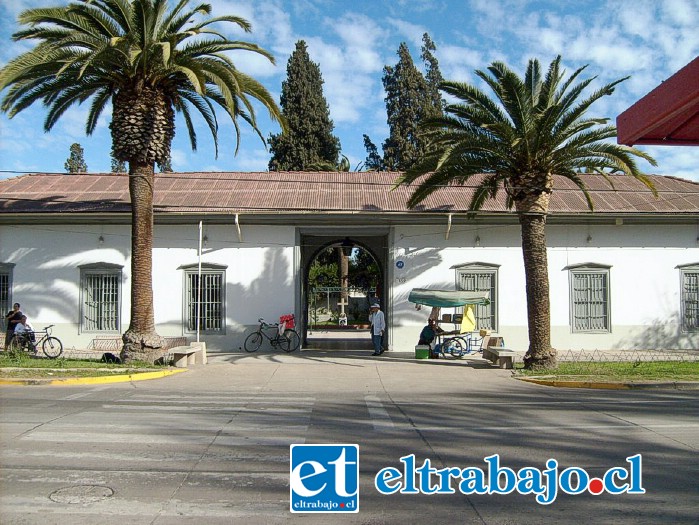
(335,302)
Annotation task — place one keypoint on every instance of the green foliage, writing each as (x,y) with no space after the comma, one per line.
(118,166)
(166,165)
(323,274)
(149,57)
(532,128)
(76,161)
(309,143)
(433,74)
(374,161)
(410,99)
(622,371)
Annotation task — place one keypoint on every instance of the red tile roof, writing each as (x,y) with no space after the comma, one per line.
(303,192)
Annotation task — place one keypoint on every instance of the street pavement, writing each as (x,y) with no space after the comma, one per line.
(211,445)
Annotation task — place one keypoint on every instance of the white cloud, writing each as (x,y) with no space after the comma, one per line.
(678,161)
(409,32)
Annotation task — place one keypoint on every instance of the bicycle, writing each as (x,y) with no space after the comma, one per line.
(460,346)
(50,345)
(288,340)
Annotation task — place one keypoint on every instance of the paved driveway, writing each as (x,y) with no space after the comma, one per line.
(212,445)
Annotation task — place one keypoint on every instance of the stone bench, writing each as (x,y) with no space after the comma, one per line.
(193,354)
(503,357)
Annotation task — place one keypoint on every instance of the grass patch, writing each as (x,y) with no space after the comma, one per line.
(621,371)
(24,366)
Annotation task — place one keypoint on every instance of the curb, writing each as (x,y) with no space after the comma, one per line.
(673,385)
(120,378)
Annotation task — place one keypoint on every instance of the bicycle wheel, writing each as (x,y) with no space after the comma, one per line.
(52,347)
(293,340)
(253,342)
(454,348)
(282,342)
(15,346)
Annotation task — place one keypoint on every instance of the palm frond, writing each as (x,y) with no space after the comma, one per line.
(522,132)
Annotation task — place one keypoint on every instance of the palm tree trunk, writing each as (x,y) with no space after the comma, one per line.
(141,341)
(540,354)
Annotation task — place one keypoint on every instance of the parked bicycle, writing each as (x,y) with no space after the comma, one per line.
(287,338)
(27,342)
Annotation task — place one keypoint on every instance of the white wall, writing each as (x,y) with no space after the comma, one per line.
(260,278)
(644,281)
(46,276)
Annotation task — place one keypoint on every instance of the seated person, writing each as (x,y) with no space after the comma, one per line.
(24,329)
(429,332)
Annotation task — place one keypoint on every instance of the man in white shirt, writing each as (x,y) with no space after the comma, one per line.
(24,329)
(378,327)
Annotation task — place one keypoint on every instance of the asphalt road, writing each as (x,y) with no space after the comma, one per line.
(211,445)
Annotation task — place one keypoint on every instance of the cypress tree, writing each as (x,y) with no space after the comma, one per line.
(309,143)
(76,162)
(433,75)
(410,98)
(118,166)
(374,161)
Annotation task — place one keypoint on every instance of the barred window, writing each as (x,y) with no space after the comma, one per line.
(481,277)
(689,278)
(5,291)
(204,299)
(100,308)
(589,298)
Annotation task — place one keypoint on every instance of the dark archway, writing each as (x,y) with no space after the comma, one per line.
(352,337)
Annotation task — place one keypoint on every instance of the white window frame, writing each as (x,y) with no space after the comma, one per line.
(589,271)
(6,271)
(89,272)
(689,298)
(189,302)
(481,312)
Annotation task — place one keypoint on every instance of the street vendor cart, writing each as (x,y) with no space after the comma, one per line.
(459,342)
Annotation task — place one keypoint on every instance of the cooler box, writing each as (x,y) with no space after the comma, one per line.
(422,352)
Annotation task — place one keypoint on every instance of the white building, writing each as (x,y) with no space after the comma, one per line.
(625,276)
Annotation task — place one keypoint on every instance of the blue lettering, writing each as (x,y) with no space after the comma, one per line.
(386,476)
(581,477)
(426,472)
(472,481)
(609,484)
(445,476)
(551,476)
(529,481)
(494,473)
(636,476)
(409,475)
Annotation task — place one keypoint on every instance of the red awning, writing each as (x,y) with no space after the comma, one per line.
(668,115)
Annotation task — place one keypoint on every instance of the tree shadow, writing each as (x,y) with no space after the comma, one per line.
(663,334)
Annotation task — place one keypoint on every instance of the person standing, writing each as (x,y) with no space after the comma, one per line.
(12,318)
(378,327)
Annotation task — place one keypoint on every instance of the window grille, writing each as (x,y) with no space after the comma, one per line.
(211,308)
(590,301)
(690,300)
(5,296)
(481,281)
(101,301)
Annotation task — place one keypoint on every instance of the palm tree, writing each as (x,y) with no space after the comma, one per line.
(533,128)
(151,61)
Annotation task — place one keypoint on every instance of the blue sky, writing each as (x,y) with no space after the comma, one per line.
(352,42)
